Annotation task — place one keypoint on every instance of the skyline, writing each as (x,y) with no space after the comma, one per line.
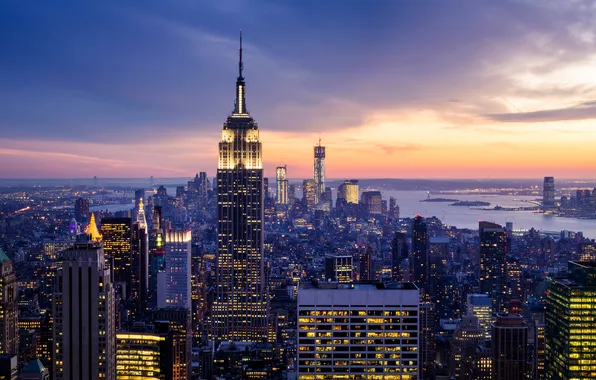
(141,91)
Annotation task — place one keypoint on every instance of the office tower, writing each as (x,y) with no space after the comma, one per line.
(179,322)
(393,209)
(83,311)
(117,241)
(9,324)
(140,263)
(548,192)
(570,316)
(509,348)
(176,292)
(148,353)
(399,253)
(420,253)
(82,210)
(309,197)
(292,194)
(494,248)
(35,370)
(9,369)
(468,336)
(348,191)
(427,337)
(139,198)
(339,268)
(92,229)
(366,265)
(282,185)
(372,202)
(481,307)
(362,331)
(240,307)
(319,172)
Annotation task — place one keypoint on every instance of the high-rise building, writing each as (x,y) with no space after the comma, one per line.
(548,192)
(349,191)
(139,198)
(427,338)
(367,272)
(179,321)
(420,253)
(177,290)
(467,337)
(9,369)
(481,307)
(117,240)
(9,323)
(372,202)
(319,171)
(35,370)
(339,268)
(570,316)
(240,306)
(399,253)
(494,248)
(362,331)
(82,212)
(309,197)
(510,348)
(83,311)
(282,185)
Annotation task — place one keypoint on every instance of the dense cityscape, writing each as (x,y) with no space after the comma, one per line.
(245,276)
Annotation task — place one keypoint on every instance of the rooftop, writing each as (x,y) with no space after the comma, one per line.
(3,256)
(34,366)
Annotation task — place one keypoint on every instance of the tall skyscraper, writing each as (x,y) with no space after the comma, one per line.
(510,348)
(319,171)
(481,307)
(349,191)
(570,316)
(117,240)
(240,307)
(399,253)
(82,210)
(177,292)
(140,262)
(360,331)
(309,196)
(282,185)
(366,264)
(9,323)
(420,253)
(548,192)
(494,248)
(83,311)
(372,202)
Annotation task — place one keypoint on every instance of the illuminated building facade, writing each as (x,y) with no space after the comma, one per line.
(82,210)
(9,324)
(117,240)
(494,248)
(510,348)
(420,253)
(319,172)
(83,311)
(548,192)
(349,191)
(358,331)
(339,268)
(372,202)
(282,185)
(481,307)
(177,291)
(463,347)
(239,309)
(309,197)
(570,316)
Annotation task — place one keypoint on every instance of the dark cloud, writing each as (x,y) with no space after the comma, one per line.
(582,111)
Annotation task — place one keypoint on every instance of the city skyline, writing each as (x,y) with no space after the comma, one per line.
(408,91)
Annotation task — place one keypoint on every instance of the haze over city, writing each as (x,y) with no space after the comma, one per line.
(403,89)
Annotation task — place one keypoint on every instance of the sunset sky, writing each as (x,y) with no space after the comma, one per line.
(401,89)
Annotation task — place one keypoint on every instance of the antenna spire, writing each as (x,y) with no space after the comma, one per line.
(240,65)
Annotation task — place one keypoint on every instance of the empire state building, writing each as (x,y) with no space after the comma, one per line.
(239,311)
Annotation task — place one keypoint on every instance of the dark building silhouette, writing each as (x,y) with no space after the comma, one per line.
(548,192)
(494,248)
(82,211)
(510,348)
(420,253)
(399,252)
(366,264)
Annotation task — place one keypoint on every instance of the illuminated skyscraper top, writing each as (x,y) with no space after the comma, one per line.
(141,216)
(239,310)
(319,171)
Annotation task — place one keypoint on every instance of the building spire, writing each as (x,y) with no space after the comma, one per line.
(240,106)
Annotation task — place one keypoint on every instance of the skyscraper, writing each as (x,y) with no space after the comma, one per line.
(481,307)
(548,192)
(140,262)
(240,307)
(348,191)
(399,252)
(366,264)
(117,240)
(9,324)
(319,171)
(83,311)
(570,316)
(420,253)
(177,291)
(309,195)
(360,331)
(372,202)
(82,210)
(494,247)
(339,268)
(510,348)
(282,185)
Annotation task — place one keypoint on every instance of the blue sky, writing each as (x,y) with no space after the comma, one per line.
(125,87)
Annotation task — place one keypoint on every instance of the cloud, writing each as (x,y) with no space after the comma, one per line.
(582,111)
